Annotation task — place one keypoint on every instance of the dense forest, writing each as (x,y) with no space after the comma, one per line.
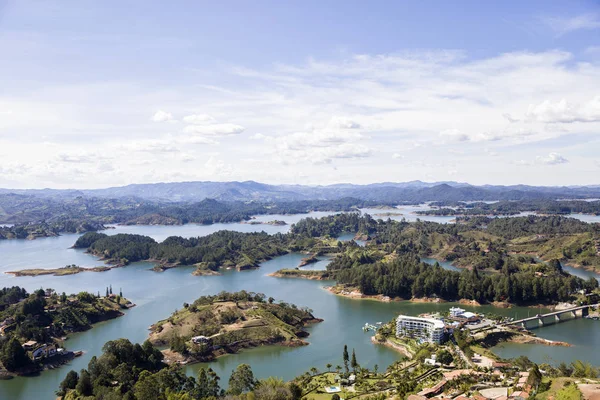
(406,277)
(220,249)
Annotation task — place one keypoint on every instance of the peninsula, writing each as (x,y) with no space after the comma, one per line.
(228,322)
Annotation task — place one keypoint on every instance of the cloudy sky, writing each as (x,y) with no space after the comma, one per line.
(105,93)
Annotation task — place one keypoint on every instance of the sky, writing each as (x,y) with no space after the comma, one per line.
(108,93)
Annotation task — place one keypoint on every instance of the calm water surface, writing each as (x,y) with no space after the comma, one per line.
(158,294)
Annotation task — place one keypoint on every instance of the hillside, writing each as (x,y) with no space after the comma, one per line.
(228,322)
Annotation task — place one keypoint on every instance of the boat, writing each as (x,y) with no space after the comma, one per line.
(78,353)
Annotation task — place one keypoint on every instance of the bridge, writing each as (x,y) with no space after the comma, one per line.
(554,317)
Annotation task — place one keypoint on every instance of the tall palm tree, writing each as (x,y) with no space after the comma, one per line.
(328,367)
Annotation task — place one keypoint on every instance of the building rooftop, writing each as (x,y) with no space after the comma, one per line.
(437,323)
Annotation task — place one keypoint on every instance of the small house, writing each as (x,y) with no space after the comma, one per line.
(29,345)
(200,340)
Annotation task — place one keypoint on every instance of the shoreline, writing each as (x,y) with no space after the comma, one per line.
(354,294)
(172,357)
(394,346)
(305,275)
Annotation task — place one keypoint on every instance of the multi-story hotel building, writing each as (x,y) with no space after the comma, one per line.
(428,329)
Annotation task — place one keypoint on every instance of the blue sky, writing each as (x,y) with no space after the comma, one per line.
(100,93)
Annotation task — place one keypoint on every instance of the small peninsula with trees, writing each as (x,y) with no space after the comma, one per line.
(226,323)
(34,326)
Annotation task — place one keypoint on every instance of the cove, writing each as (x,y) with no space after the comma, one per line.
(158,294)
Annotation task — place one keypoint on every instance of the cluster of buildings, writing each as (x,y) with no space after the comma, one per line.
(516,389)
(39,351)
(433,329)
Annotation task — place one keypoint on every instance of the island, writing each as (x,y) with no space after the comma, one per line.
(34,326)
(66,270)
(228,322)
(31,231)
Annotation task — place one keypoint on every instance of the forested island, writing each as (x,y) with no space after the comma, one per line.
(34,326)
(505,260)
(228,322)
(32,231)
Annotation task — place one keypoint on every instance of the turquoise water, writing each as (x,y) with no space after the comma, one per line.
(158,294)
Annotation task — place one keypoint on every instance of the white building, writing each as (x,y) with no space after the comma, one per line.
(455,311)
(428,329)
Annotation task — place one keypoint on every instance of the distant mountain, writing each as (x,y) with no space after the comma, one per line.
(385,192)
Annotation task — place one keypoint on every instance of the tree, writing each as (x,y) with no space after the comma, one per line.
(444,357)
(70,382)
(120,292)
(110,289)
(241,380)
(63,297)
(295,390)
(13,355)
(314,371)
(84,386)
(335,396)
(346,358)
(354,363)
(208,383)
(338,368)
(107,291)
(328,366)
(535,377)
(375,368)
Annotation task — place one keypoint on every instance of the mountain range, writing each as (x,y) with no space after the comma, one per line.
(385,192)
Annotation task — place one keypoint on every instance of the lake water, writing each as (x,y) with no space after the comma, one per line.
(158,294)
(444,264)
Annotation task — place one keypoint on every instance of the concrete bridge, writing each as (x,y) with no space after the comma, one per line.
(554,317)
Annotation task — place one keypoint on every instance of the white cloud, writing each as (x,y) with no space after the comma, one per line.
(258,136)
(565,112)
(81,157)
(551,159)
(338,111)
(151,146)
(509,118)
(564,25)
(194,139)
(198,119)
(215,129)
(397,156)
(342,123)
(454,134)
(162,116)
(216,167)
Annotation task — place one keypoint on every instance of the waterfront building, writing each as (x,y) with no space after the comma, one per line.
(427,329)
(460,315)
